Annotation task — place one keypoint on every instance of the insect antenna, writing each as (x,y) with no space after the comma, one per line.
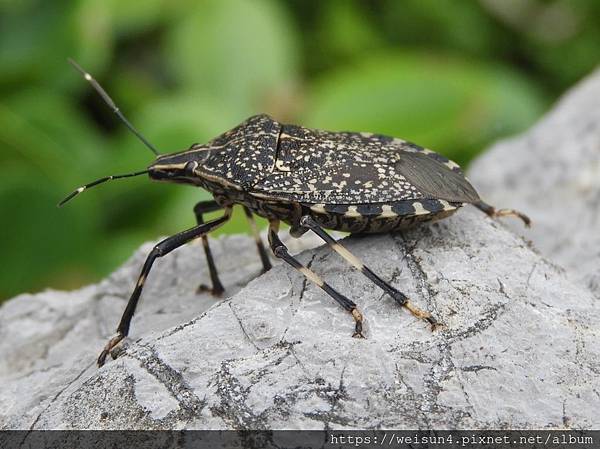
(109,101)
(76,192)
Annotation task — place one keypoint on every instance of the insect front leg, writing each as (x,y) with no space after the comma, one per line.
(494,213)
(161,249)
(281,252)
(201,208)
(309,223)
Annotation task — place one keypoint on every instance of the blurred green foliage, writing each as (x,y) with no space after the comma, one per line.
(453,75)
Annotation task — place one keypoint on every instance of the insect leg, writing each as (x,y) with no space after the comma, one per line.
(264,257)
(493,212)
(308,222)
(281,252)
(161,249)
(217,288)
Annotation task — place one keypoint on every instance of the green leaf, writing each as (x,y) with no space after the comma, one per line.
(46,246)
(42,131)
(345,31)
(233,50)
(37,39)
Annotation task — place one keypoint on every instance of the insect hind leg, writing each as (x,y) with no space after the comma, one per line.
(264,257)
(281,251)
(308,222)
(217,289)
(494,213)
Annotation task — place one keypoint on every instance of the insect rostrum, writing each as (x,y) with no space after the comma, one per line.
(312,180)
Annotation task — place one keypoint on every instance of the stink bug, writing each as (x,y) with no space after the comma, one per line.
(312,180)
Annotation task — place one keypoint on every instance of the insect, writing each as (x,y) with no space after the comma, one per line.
(312,180)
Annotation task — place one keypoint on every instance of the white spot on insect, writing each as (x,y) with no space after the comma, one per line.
(88,77)
(312,276)
(80,189)
(352,212)
(287,136)
(387,211)
(279,164)
(419,209)
(451,165)
(446,205)
(319,208)
(348,255)
(141,280)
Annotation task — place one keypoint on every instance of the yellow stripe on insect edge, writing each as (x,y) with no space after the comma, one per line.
(419,209)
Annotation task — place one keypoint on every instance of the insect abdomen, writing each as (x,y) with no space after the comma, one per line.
(379,217)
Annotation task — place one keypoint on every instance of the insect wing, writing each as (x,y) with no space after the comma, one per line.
(434,179)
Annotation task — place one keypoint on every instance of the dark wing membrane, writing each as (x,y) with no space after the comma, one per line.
(435,179)
(314,166)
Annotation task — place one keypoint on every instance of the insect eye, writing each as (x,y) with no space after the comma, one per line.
(190,167)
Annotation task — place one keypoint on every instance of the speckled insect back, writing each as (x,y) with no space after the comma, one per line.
(312,180)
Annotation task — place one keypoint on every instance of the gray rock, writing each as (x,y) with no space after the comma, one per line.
(49,340)
(553,173)
(519,348)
